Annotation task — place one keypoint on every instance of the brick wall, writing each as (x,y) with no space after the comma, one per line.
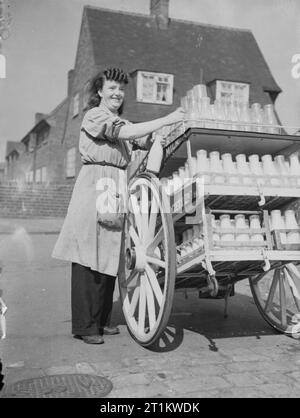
(34,200)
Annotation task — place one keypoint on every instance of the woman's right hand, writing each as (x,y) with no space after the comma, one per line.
(177,116)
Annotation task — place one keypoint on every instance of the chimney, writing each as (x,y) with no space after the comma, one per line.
(70,81)
(159,9)
(38,117)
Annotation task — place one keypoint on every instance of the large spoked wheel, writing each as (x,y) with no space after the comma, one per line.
(277,296)
(148,262)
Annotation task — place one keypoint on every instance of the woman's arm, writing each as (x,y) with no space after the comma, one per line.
(139,130)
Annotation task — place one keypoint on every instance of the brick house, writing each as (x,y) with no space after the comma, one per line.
(164,58)
(38,158)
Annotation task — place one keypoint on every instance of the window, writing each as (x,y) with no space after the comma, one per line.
(155,88)
(44,174)
(70,162)
(2,66)
(41,136)
(29,176)
(75,105)
(38,175)
(231,91)
(86,95)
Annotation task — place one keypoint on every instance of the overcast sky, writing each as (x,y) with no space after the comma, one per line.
(44,36)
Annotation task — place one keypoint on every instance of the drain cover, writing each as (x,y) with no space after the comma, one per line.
(60,386)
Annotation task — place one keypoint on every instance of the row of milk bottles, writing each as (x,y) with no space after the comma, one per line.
(220,169)
(286,220)
(191,241)
(237,228)
(227,113)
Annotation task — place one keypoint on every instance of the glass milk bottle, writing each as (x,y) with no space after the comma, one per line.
(293,237)
(220,115)
(243,169)
(216,167)
(197,240)
(230,169)
(270,170)
(225,223)
(257,117)
(155,156)
(270,119)
(240,223)
(245,117)
(295,168)
(255,224)
(282,169)
(256,169)
(203,165)
(277,222)
(233,115)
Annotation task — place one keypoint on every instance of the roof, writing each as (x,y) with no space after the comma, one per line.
(133,41)
(12,146)
(47,120)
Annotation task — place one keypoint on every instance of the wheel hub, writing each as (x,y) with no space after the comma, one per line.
(136,258)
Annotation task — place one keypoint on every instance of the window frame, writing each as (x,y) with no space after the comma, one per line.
(140,87)
(233,84)
(68,172)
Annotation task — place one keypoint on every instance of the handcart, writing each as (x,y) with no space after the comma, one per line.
(154,265)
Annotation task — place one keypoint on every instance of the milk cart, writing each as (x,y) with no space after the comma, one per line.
(152,268)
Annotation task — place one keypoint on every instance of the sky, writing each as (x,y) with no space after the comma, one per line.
(44,36)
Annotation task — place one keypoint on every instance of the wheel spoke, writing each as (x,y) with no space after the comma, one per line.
(130,306)
(150,304)
(157,240)
(271,295)
(282,300)
(144,213)
(152,219)
(154,284)
(134,236)
(142,306)
(293,288)
(137,214)
(156,261)
(131,277)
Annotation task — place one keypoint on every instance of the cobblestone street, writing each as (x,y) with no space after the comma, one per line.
(200,355)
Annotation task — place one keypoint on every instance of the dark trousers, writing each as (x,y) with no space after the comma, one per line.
(91,299)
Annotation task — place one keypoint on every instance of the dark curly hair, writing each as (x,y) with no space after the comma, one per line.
(113,74)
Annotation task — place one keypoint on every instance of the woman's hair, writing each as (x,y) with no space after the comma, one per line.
(112,74)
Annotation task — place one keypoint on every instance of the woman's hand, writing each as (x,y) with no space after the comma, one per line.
(177,116)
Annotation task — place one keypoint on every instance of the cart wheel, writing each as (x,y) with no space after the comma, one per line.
(277,296)
(148,266)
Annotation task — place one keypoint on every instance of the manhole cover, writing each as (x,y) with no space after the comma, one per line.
(60,386)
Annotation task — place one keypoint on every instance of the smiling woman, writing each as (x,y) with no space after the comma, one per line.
(90,238)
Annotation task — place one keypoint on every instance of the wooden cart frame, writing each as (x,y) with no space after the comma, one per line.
(151,270)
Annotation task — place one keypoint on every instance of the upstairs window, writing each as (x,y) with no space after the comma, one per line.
(155,88)
(231,91)
(42,136)
(76,105)
(38,175)
(71,162)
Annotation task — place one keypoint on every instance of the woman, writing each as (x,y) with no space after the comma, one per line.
(105,144)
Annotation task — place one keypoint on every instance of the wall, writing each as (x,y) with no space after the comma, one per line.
(34,200)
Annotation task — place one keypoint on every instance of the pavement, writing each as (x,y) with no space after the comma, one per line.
(200,355)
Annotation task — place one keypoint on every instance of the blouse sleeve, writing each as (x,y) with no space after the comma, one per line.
(141,143)
(101,125)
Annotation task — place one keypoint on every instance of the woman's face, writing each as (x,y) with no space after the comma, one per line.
(112,94)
